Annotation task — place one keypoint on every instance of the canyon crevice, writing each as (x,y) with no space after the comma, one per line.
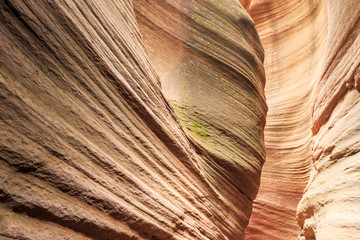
(147,119)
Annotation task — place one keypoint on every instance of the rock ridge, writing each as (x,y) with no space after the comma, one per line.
(91,148)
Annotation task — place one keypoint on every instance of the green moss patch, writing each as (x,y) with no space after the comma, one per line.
(198,130)
(193,127)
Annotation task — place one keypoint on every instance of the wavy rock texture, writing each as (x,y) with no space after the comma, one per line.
(330,206)
(209,59)
(90,148)
(313,114)
(293,34)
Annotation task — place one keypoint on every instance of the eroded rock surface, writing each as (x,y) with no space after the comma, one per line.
(312,63)
(209,59)
(293,34)
(90,148)
(330,206)
(144,119)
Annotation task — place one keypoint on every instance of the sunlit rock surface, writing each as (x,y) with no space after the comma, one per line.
(209,59)
(144,119)
(90,148)
(312,64)
(293,34)
(330,206)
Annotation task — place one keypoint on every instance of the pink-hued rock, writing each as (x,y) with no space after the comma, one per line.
(89,146)
(144,119)
(293,34)
(312,63)
(330,206)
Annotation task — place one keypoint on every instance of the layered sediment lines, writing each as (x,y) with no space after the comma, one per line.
(91,149)
(330,206)
(312,65)
(293,34)
(209,60)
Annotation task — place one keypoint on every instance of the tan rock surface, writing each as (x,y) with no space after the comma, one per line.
(209,60)
(90,148)
(313,121)
(330,206)
(144,119)
(293,34)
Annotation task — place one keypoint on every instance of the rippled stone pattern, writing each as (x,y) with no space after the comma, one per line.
(293,34)
(209,59)
(90,148)
(330,206)
(312,68)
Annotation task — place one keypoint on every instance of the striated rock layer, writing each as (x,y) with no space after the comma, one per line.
(312,65)
(293,34)
(209,60)
(330,206)
(90,148)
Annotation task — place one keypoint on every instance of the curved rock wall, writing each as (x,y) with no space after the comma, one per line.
(144,119)
(209,60)
(293,34)
(90,148)
(312,65)
(330,206)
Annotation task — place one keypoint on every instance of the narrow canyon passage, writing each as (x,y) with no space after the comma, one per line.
(145,119)
(293,34)
(312,67)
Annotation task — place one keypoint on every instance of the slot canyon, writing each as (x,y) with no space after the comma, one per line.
(180,119)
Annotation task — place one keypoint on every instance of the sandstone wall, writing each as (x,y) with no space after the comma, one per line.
(330,206)
(294,35)
(209,59)
(90,148)
(312,64)
(144,119)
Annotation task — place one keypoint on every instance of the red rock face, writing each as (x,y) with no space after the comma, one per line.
(293,34)
(246,4)
(91,149)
